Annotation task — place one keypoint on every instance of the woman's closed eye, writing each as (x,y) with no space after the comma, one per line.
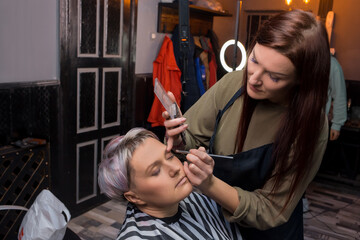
(170,156)
(155,171)
(253,59)
(275,79)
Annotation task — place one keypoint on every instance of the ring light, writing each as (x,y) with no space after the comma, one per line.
(222,55)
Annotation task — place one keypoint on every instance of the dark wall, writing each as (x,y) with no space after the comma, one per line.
(353,92)
(27,110)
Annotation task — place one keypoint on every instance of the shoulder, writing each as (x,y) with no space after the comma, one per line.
(216,97)
(132,218)
(196,198)
(334,65)
(199,202)
(232,80)
(137,224)
(334,62)
(226,87)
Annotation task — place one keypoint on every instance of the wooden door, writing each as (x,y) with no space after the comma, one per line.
(96,92)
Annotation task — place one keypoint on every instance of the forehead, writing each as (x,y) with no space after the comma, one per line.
(272,60)
(148,152)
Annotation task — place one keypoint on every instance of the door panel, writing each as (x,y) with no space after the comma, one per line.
(88,28)
(111,101)
(86,165)
(87,99)
(113,28)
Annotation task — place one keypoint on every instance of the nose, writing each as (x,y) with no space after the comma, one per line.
(174,168)
(255,77)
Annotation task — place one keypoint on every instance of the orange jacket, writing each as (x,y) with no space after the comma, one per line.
(168,73)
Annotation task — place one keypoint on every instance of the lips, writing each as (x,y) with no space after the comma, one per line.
(182,181)
(253,88)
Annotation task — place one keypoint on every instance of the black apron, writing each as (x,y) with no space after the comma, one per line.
(249,170)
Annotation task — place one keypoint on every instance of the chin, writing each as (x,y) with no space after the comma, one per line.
(186,190)
(254,95)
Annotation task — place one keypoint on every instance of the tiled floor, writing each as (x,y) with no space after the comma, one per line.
(334,215)
(100,223)
(334,212)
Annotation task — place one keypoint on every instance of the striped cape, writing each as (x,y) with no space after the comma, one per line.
(198,218)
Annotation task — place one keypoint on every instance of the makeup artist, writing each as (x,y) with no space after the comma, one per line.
(271,118)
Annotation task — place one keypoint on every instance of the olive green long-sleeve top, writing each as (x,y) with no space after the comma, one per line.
(256,209)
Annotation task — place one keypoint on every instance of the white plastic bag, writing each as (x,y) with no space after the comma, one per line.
(45,220)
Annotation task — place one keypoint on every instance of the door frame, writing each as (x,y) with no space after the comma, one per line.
(63,172)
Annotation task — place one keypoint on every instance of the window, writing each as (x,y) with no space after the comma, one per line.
(254,21)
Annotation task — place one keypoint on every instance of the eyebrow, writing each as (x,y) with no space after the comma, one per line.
(152,165)
(276,73)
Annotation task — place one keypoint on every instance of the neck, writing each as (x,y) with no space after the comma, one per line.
(160,212)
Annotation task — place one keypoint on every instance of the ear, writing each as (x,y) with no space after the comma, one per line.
(133,198)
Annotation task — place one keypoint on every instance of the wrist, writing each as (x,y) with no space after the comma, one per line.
(206,187)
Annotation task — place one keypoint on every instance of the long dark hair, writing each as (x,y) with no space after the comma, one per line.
(300,37)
